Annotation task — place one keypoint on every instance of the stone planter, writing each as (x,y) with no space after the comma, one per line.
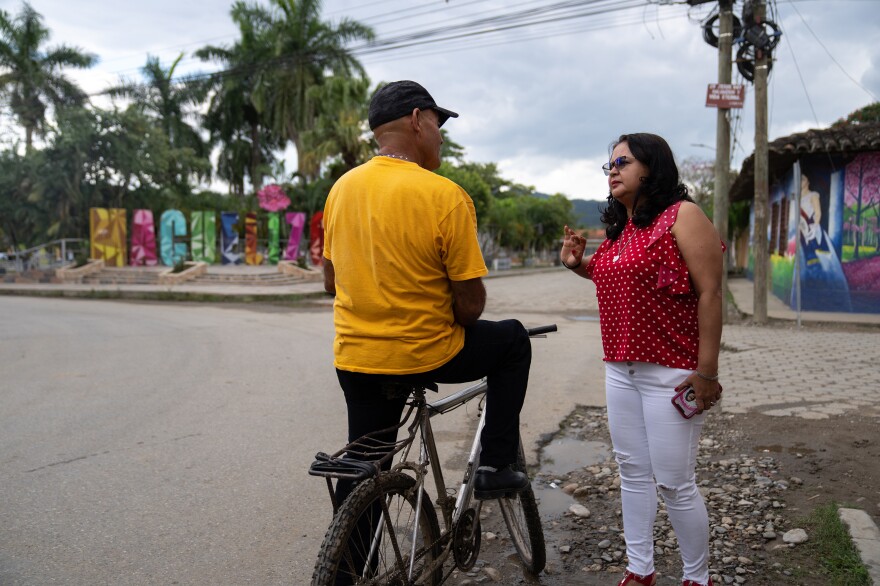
(287,267)
(193,270)
(71,274)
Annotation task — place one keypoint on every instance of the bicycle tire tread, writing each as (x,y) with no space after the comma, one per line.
(337,535)
(532,516)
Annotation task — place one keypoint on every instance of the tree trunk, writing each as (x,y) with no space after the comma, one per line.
(256,159)
(858,219)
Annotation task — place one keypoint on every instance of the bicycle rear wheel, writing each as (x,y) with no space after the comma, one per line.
(363,525)
(523,520)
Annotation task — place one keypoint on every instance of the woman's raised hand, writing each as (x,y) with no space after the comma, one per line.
(573,247)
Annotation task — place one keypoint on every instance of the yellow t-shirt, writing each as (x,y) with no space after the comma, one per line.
(396,235)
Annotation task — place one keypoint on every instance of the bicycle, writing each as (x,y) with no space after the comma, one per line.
(387,532)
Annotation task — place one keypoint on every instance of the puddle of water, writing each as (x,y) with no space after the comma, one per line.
(583,318)
(797,450)
(565,454)
(559,457)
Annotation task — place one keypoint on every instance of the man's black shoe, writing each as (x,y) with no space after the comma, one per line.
(493,485)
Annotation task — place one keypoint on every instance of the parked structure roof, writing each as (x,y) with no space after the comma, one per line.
(783,152)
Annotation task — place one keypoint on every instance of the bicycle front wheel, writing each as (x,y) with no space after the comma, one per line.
(523,520)
(371,538)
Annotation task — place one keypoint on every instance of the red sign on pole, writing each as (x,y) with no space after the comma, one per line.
(725,95)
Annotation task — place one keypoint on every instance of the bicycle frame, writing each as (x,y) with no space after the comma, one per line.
(463,496)
(428,456)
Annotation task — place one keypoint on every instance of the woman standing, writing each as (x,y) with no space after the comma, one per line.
(658,282)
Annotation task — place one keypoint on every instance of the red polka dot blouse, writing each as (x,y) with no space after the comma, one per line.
(647,303)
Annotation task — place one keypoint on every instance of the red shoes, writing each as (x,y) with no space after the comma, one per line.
(630,579)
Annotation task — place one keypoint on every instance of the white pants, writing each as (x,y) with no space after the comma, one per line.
(656,448)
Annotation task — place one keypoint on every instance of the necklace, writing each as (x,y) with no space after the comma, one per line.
(621,249)
(401,157)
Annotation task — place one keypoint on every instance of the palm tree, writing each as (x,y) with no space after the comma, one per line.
(304,50)
(339,129)
(30,77)
(232,117)
(172,104)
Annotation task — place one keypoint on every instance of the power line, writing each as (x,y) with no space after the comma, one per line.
(537,35)
(800,75)
(439,35)
(821,44)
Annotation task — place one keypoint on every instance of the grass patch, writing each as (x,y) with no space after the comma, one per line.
(831,545)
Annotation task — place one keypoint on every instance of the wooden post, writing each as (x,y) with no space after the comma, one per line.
(722,142)
(762,188)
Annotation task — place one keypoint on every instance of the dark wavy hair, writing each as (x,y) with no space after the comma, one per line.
(660,189)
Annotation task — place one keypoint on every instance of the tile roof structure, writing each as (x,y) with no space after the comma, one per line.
(783,152)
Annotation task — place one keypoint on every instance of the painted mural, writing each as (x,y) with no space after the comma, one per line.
(108,237)
(824,252)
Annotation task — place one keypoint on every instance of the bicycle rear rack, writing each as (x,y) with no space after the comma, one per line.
(368,455)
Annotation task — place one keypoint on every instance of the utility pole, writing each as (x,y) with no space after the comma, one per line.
(762,188)
(722,141)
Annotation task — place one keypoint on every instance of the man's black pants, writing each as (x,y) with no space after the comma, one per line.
(500,351)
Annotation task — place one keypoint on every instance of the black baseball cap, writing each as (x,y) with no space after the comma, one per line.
(398,99)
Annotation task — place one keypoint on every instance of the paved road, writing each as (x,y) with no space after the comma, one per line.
(167,443)
(146,443)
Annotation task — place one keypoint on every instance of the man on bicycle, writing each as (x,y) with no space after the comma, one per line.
(403,261)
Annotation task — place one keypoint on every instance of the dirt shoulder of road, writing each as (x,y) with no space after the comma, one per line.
(761,477)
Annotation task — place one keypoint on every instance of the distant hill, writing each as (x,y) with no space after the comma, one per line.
(587,211)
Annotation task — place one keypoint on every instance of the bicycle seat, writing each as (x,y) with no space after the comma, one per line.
(327,466)
(400,387)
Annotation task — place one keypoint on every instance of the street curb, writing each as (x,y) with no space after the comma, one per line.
(172,295)
(866,537)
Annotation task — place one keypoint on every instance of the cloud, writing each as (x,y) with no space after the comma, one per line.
(575,178)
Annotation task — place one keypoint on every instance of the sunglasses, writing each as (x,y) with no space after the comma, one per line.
(619,163)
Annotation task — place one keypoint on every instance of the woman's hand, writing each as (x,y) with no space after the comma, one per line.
(573,247)
(707,392)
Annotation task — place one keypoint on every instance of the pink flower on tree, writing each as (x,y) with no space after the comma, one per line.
(272,198)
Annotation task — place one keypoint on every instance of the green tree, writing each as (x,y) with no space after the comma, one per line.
(870,113)
(548,216)
(97,158)
(127,159)
(30,75)
(451,150)
(339,131)
(509,224)
(233,119)
(172,105)
(22,216)
(305,50)
(475,186)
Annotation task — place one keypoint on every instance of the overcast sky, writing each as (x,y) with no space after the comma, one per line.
(543,101)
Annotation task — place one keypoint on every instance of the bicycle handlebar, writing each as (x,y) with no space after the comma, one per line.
(541,330)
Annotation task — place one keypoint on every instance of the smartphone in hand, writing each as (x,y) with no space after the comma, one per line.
(685,401)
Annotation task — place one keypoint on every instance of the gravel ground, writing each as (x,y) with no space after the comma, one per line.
(756,509)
